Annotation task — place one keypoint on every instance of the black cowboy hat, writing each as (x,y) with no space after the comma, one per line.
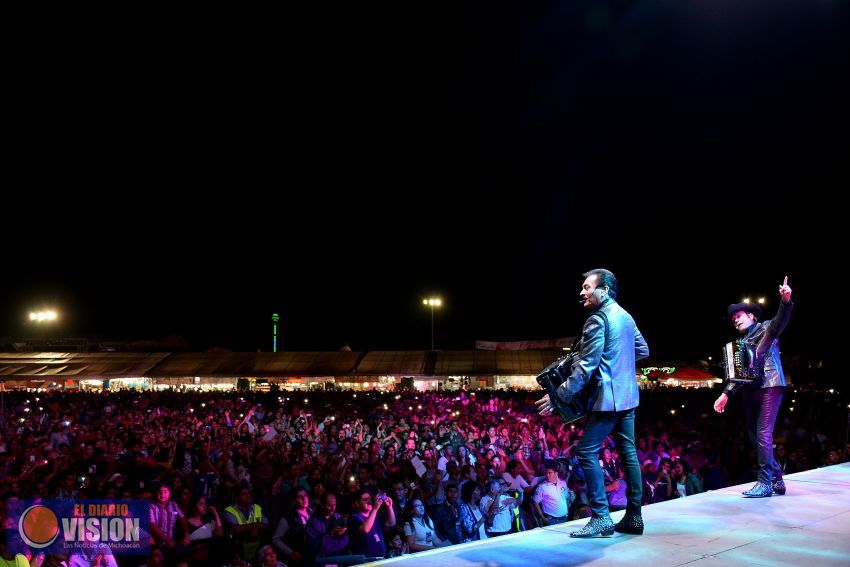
(748,307)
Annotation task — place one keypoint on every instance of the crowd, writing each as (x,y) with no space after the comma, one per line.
(331,477)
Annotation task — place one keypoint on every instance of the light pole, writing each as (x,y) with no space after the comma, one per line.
(275,319)
(432,302)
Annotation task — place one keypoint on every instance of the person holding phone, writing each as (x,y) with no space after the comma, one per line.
(498,507)
(326,530)
(662,484)
(365,529)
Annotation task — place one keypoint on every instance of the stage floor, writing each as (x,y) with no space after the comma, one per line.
(808,526)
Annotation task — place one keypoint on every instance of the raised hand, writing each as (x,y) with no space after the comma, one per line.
(785,291)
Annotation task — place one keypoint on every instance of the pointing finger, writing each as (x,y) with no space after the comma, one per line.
(786,281)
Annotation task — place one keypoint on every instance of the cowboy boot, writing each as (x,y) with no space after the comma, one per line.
(630,524)
(596,527)
(759,490)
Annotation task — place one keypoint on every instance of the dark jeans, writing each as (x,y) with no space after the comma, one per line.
(599,425)
(761,406)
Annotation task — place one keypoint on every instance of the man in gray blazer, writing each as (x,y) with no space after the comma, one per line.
(610,345)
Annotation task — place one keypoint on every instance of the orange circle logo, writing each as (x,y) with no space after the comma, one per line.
(38,526)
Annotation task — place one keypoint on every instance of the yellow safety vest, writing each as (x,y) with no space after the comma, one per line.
(249,548)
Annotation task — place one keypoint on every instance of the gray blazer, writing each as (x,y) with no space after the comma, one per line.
(607,357)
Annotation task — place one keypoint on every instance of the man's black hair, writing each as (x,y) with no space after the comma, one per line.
(604,278)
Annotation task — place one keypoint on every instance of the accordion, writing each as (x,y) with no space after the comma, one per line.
(738,362)
(556,374)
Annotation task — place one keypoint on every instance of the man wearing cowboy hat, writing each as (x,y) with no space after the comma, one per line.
(763,397)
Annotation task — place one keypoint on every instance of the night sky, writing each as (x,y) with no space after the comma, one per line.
(337,167)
